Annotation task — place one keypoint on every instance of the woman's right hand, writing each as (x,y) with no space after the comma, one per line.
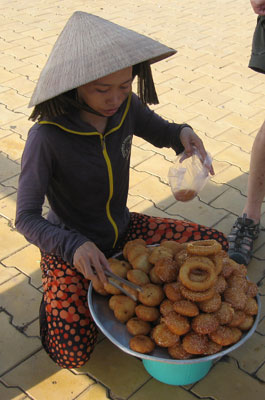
(90,262)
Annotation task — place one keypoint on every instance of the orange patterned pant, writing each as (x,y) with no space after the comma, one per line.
(154,230)
(67,330)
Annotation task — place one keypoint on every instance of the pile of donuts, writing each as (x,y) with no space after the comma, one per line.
(195,299)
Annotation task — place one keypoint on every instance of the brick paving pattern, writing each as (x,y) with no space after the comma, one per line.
(206,84)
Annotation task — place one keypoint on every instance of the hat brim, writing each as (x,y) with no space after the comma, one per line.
(90,48)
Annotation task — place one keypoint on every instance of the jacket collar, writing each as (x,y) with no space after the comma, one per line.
(72,123)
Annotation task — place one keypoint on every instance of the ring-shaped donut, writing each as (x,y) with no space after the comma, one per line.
(203,247)
(218,262)
(194,264)
(197,296)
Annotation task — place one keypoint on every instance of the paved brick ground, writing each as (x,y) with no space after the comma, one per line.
(208,85)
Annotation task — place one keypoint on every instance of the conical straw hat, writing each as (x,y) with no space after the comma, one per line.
(89,48)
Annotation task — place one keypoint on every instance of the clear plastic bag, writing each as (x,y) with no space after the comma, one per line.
(188,176)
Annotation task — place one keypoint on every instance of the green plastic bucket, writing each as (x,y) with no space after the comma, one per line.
(177,374)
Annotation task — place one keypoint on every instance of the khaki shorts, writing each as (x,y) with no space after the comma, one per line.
(257,59)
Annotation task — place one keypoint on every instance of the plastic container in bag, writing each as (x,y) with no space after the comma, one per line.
(188,176)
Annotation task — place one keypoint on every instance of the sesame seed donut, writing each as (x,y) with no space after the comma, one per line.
(177,323)
(225,336)
(163,336)
(205,323)
(178,353)
(186,308)
(195,343)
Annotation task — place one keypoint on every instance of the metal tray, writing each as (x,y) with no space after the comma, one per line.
(117,332)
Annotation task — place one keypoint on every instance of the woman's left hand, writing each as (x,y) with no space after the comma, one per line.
(189,140)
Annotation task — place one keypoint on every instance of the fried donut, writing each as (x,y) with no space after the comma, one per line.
(115,299)
(225,313)
(110,288)
(237,281)
(247,323)
(141,344)
(138,277)
(136,326)
(181,257)
(197,296)
(236,297)
(205,323)
(227,267)
(160,252)
(212,348)
(130,290)
(132,243)
(230,266)
(221,284)
(218,261)
(126,265)
(117,267)
(163,337)
(252,289)
(194,343)
(141,262)
(166,269)
(225,336)
(151,295)
(204,247)
(212,304)
(175,247)
(98,286)
(251,307)
(197,263)
(149,314)
(172,291)
(239,269)
(166,307)
(178,353)
(125,309)
(135,250)
(177,323)
(154,278)
(186,308)
(238,317)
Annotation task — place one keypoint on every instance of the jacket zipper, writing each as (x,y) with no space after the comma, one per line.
(110,174)
(106,157)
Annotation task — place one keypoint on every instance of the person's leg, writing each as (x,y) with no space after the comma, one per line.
(154,230)
(67,330)
(256,180)
(246,228)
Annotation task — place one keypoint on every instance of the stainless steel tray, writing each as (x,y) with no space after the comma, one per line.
(117,332)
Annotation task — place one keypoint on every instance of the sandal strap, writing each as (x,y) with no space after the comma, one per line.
(245,227)
(243,247)
(241,238)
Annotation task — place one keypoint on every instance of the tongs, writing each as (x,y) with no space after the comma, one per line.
(122,280)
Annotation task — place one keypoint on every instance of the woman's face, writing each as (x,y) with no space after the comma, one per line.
(105,95)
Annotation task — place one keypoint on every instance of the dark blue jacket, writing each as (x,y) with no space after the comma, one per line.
(85,176)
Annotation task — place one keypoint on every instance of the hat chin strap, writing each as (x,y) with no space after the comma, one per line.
(89,109)
(81,105)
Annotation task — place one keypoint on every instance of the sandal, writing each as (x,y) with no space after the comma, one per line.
(241,239)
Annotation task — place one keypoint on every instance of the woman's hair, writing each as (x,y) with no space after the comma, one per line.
(64,103)
(146,87)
